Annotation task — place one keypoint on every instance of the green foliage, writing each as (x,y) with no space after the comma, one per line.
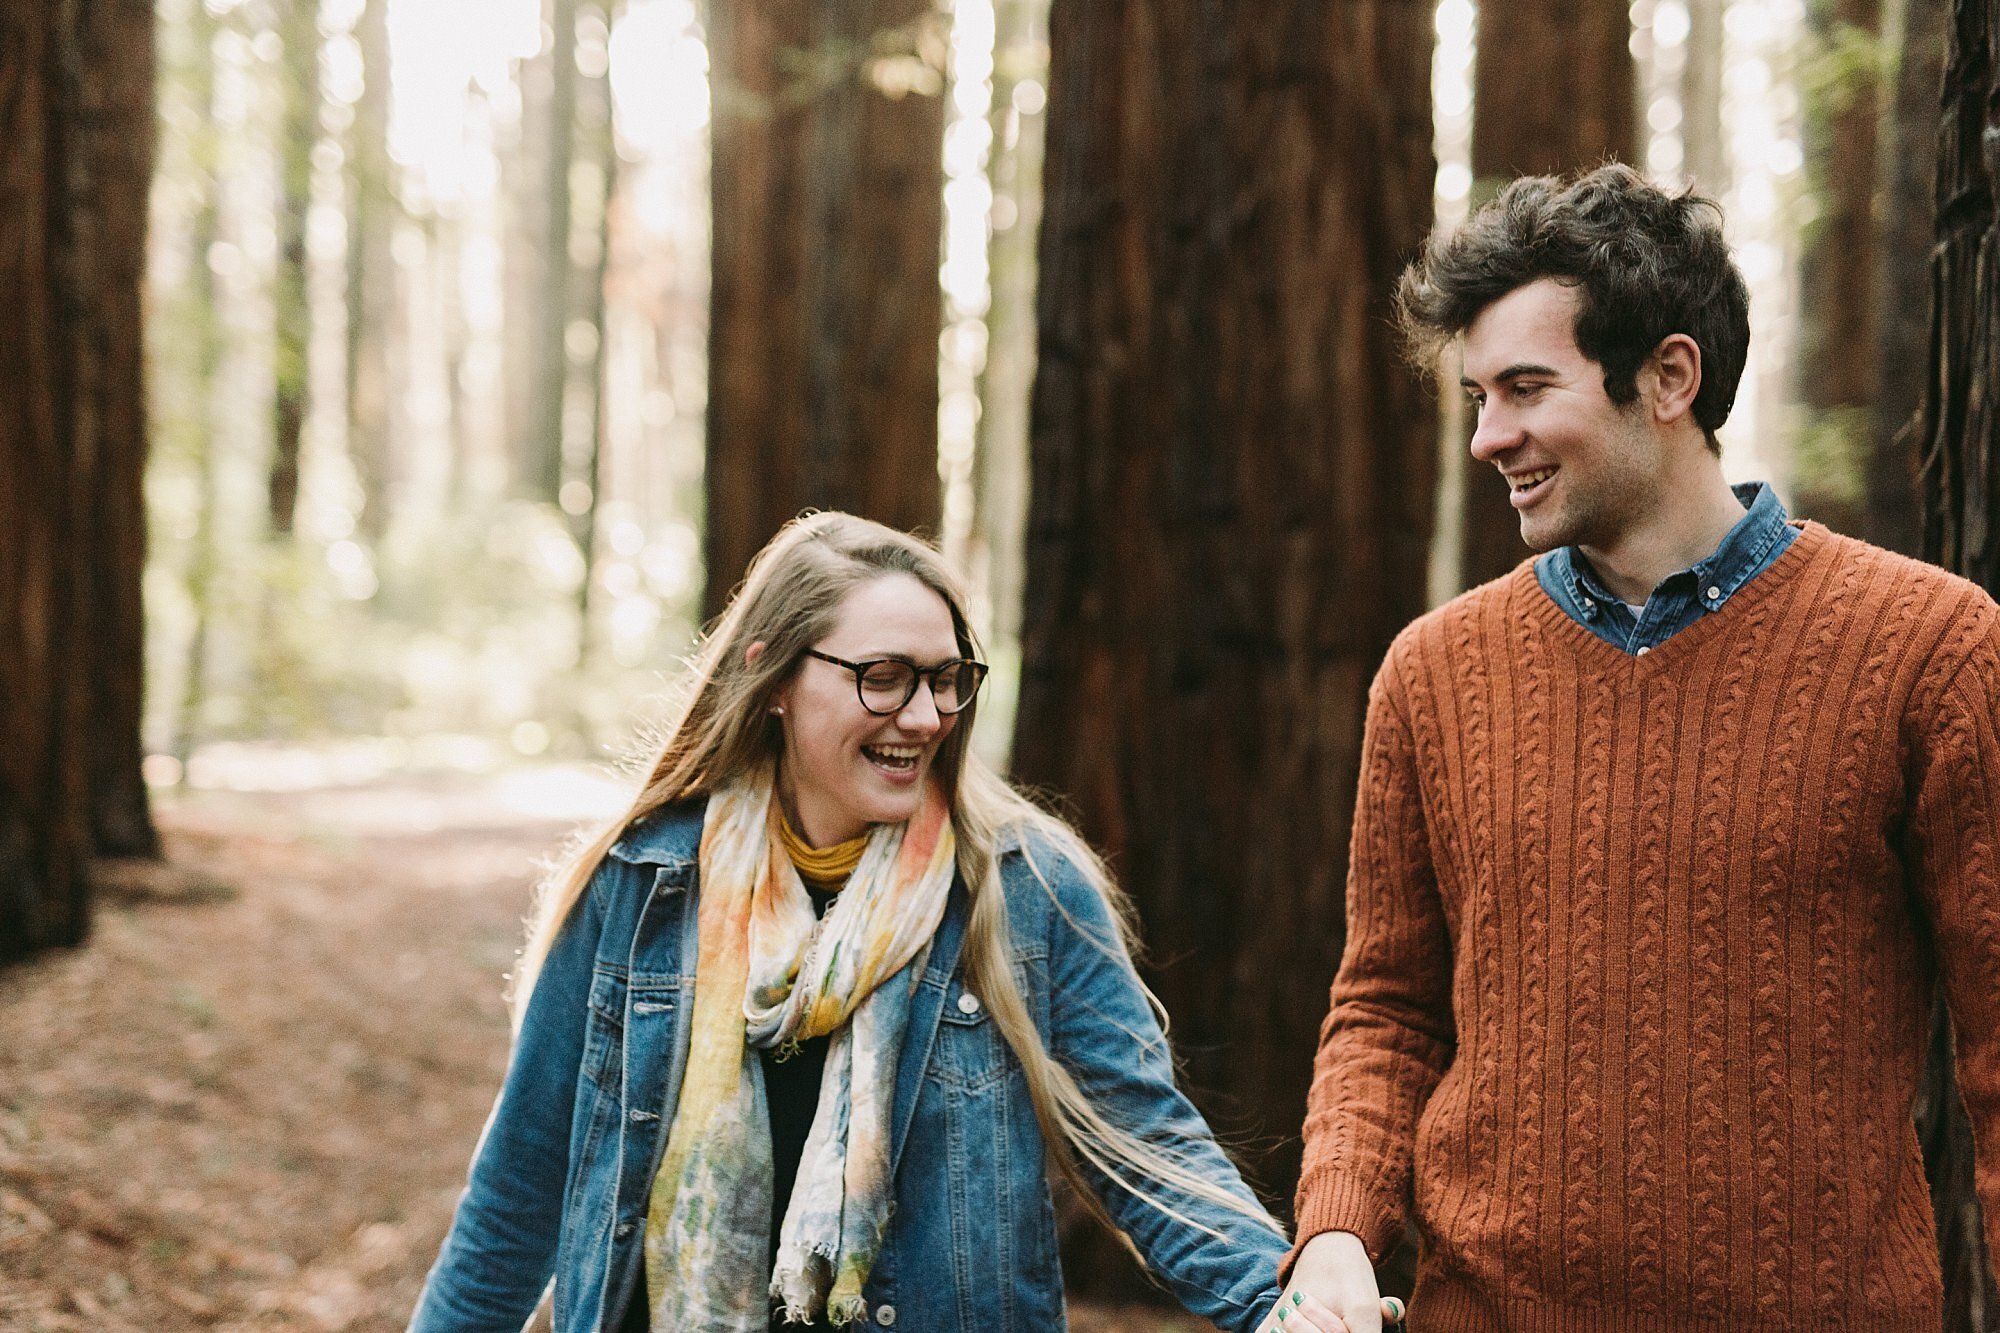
(897,61)
(1847,63)
(470,626)
(1830,460)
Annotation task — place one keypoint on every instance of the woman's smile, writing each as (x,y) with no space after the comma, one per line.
(845,767)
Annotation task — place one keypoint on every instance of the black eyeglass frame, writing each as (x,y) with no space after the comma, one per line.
(917,675)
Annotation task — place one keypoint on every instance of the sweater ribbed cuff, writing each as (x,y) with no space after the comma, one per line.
(1334,1203)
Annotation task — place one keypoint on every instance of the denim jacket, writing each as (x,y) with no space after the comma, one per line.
(560,1179)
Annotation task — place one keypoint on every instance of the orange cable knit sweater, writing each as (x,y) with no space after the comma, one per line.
(1639,961)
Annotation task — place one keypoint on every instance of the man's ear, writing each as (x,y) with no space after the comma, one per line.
(1676,370)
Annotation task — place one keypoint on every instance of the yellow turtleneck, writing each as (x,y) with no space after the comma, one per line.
(824,868)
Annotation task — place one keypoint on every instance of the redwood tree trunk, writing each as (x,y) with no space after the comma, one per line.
(1552,93)
(1231,492)
(1960,489)
(1906,175)
(113,165)
(823,340)
(75,84)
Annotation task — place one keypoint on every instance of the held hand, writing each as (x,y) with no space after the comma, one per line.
(1333,1291)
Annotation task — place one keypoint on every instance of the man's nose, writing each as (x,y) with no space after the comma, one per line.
(1496,432)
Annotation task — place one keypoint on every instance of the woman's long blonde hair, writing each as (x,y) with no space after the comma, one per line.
(789,600)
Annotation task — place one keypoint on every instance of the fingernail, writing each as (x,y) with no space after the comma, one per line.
(1298,1298)
(1283,1315)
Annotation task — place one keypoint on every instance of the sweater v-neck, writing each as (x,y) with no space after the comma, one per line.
(1594,654)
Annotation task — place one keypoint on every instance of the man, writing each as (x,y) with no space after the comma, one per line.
(1663,842)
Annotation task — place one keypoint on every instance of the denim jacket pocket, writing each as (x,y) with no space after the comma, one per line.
(970,1054)
(604,1040)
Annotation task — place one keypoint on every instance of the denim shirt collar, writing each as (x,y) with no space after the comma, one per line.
(1749,548)
(1740,556)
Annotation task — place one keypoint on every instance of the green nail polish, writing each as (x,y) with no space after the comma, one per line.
(1298,1298)
(1283,1315)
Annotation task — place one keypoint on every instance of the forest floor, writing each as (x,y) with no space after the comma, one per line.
(248,1102)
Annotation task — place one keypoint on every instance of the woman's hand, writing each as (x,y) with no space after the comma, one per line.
(1333,1291)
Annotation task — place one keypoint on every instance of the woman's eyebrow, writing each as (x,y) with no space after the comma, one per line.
(906,658)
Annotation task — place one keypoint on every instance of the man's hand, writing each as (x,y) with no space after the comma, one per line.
(1333,1291)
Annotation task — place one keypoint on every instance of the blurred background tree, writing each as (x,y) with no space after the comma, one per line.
(1225,442)
(824,323)
(1838,357)
(1553,91)
(77,161)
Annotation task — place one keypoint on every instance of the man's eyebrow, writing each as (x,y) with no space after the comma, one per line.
(1518,370)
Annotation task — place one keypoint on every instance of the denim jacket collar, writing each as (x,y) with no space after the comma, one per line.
(669,837)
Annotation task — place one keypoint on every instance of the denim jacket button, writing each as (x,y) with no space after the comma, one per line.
(885,1315)
(968,1004)
(625,1229)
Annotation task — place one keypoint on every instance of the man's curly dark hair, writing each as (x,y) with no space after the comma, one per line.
(1645,264)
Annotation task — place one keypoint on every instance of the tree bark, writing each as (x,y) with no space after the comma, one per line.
(1834,372)
(1955,430)
(75,84)
(1907,176)
(1231,492)
(116,119)
(44,819)
(1552,93)
(826,310)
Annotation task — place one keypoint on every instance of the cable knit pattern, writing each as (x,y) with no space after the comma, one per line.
(1641,943)
(1646,1005)
(1582,1124)
(1708,953)
(1774,917)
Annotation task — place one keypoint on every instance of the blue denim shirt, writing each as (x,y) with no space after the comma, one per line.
(561,1177)
(1750,548)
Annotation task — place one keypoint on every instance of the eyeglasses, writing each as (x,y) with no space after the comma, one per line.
(887,684)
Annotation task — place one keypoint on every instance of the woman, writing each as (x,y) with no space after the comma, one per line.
(795,1033)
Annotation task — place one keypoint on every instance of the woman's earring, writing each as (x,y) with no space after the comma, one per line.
(778,710)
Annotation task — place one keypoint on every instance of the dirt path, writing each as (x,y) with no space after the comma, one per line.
(248,1103)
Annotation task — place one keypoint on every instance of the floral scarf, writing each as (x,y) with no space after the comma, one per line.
(769,973)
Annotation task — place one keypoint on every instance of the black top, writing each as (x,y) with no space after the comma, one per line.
(791,1087)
